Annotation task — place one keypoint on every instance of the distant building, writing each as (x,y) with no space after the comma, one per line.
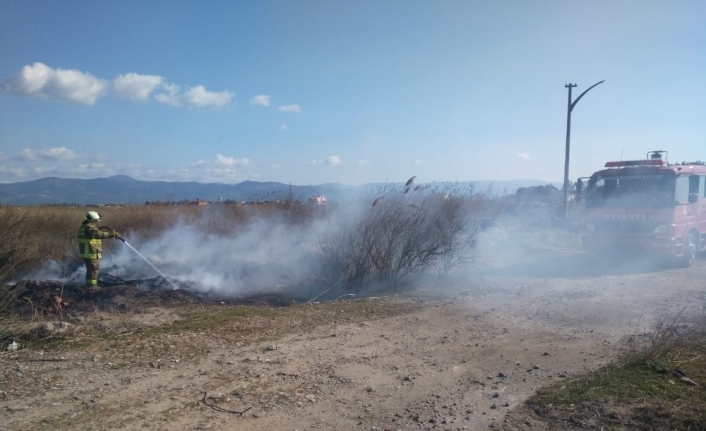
(201,202)
(317,200)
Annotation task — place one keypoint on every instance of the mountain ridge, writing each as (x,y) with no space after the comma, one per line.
(123,189)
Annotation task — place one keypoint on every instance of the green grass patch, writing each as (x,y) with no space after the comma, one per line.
(629,382)
(665,390)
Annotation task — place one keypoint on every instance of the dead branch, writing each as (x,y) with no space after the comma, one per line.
(221,409)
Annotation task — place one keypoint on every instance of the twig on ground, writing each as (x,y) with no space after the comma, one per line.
(683,377)
(221,409)
(334,285)
(688,360)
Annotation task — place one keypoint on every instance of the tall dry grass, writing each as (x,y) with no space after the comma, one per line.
(17,252)
(29,236)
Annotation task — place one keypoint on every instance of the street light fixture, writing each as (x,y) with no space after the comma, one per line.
(570,107)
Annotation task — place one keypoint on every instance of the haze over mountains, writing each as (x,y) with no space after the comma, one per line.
(121,189)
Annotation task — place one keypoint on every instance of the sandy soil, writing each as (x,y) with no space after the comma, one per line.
(472,354)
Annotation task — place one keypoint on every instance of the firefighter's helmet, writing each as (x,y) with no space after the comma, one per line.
(91,216)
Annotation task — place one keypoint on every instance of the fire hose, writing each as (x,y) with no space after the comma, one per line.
(107,229)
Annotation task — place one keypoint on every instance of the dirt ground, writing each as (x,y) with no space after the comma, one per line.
(464,356)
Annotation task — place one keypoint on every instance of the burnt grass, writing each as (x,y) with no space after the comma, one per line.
(116,314)
(36,298)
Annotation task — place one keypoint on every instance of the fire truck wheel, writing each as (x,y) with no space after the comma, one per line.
(691,250)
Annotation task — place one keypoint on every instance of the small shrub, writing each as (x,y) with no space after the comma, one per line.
(669,334)
(400,236)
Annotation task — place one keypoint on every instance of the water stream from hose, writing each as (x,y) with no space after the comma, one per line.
(150,263)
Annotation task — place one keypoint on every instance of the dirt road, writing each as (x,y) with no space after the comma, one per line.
(480,345)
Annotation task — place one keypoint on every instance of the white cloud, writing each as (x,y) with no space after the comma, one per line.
(27,154)
(222,160)
(68,85)
(363,162)
(31,164)
(199,96)
(209,174)
(61,162)
(330,161)
(85,170)
(260,100)
(290,108)
(417,162)
(11,173)
(525,156)
(275,166)
(226,173)
(284,127)
(41,81)
(333,161)
(59,153)
(134,86)
(194,97)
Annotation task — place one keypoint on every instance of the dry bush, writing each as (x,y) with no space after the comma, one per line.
(402,235)
(669,334)
(14,327)
(18,251)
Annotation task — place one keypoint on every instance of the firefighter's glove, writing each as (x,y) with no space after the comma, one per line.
(116,235)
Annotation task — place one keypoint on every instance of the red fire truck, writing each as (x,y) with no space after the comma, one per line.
(647,206)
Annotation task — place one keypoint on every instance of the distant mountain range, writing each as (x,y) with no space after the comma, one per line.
(121,189)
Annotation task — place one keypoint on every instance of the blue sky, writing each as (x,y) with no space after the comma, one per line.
(354,92)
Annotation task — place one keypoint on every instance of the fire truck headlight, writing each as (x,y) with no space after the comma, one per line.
(661,229)
(590,227)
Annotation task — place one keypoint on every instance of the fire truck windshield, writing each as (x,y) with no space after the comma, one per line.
(631,190)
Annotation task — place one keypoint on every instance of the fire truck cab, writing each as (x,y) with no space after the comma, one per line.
(649,207)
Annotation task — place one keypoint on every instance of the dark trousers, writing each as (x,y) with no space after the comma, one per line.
(92,266)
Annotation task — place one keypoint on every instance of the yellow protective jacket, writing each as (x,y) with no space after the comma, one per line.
(89,241)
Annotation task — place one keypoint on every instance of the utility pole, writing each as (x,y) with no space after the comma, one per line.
(570,107)
(566,152)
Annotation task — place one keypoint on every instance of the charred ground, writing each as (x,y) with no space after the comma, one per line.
(49,298)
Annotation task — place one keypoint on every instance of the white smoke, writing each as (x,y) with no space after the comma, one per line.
(262,257)
(226,258)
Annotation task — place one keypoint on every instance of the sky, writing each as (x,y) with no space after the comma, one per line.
(352,92)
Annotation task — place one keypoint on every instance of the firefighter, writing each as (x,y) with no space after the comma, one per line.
(90,246)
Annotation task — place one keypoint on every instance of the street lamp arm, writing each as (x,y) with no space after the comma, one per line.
(579,98)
